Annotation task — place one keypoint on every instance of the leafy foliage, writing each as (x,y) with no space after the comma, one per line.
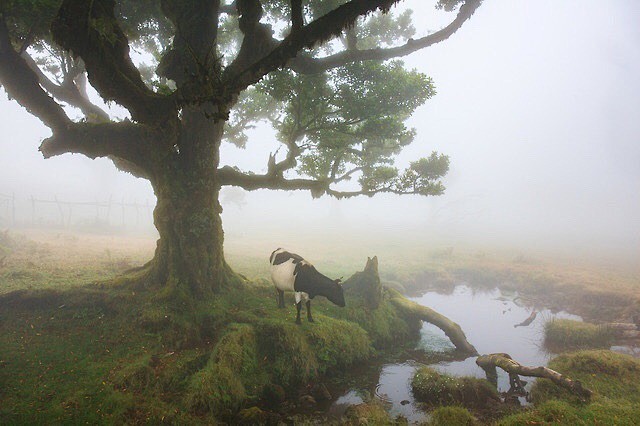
(335,126)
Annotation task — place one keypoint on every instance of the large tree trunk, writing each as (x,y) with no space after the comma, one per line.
(189,258)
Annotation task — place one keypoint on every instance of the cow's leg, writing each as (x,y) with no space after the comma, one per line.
(309,317)
(298,307)
(280,299)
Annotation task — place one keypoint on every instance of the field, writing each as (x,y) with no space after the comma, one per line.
(73,349)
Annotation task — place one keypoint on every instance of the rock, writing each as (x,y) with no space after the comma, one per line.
(405,402)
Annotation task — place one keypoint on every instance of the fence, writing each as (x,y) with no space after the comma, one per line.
(60,213)
(7,210)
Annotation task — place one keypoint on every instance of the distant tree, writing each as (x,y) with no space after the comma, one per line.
(325,74)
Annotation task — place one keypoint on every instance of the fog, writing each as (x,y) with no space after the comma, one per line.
(537,107)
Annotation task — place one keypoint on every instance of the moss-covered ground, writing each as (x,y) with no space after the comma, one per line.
(103,353)
(106,355)
(73,350)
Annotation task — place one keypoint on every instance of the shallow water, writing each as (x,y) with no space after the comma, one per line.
(488,320)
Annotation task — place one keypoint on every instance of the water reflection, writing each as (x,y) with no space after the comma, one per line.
(488,320)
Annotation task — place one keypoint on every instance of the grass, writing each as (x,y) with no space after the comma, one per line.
(435,388)
(564,334)
(371,413)
(102,354)
(614,378)
(452,415)
(75,352)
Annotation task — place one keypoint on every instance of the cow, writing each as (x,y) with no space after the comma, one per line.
(290,272)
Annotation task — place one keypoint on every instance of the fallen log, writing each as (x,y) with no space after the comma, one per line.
(489,363)
(450,328)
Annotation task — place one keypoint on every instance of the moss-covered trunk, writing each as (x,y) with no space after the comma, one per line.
(189,258)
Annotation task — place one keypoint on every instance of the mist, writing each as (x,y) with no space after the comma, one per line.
(537,108)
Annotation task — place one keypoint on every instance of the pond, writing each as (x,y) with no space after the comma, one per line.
(487,318)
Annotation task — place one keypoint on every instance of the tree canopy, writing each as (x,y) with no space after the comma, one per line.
(322,73)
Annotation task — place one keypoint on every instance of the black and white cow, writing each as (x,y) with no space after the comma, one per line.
(290,272)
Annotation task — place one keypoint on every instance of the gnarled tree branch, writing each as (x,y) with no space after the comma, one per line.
(297,20)
(126,140)
(321,29)
(22,84)
(230,176)
(306,65)
(89,29)
(258,38)
(68,91)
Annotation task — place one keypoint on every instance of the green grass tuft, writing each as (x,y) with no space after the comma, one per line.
(372,413)
(564,334)
(440,389)
(452,415)
(608,374)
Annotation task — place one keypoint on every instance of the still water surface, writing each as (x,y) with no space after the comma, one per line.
(488,319)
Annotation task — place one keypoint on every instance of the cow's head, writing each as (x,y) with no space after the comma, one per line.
(335,293)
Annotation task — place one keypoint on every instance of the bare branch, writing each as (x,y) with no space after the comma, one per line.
(229,176)
(229,9)
(297,20)
(307,65)
(258,38)
(21,83)
(320,30)
(89,29)
(69,91)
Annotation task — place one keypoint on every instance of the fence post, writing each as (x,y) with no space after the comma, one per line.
(55,197)
(13,209)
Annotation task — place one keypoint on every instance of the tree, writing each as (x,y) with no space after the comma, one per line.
(325,74)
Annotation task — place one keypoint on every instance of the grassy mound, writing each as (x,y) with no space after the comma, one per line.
(440,389)
(564,334)
(614,378)
(111,355)
(367,414)
(447,416)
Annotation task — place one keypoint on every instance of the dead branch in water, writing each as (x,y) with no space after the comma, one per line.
(489,363)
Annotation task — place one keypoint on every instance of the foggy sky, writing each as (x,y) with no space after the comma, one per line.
(538,108)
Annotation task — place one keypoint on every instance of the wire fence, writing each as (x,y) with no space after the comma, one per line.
(69,214)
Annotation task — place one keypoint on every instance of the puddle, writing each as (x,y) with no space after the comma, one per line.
(488,320)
